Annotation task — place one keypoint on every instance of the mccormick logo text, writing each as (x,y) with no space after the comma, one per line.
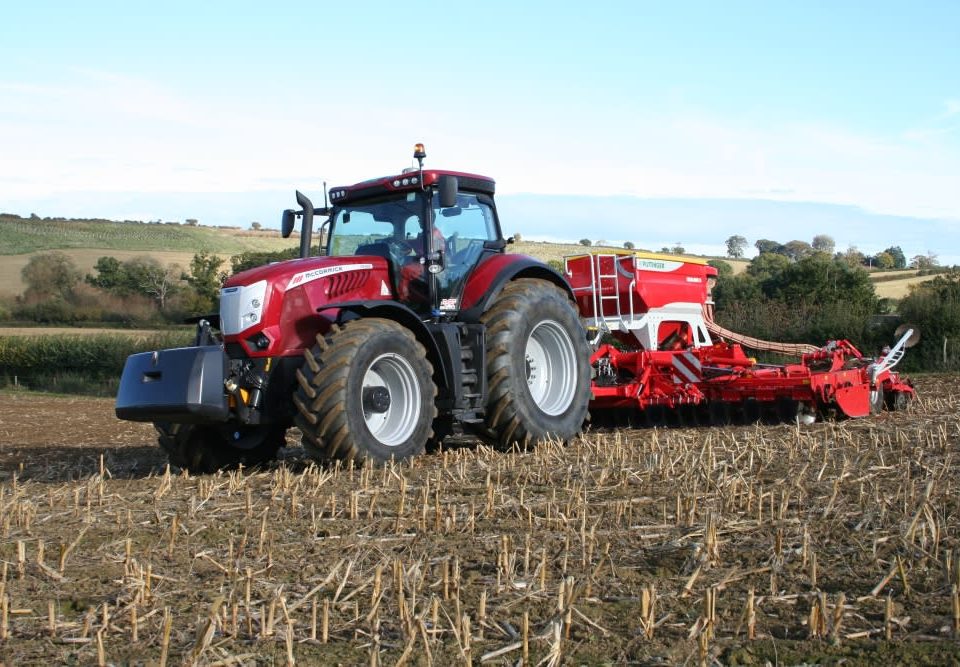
(305,277)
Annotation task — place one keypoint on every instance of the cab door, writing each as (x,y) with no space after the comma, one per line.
(462,229)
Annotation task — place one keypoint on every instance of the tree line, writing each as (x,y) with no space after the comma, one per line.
(890,258)
(818,296)
(140,290)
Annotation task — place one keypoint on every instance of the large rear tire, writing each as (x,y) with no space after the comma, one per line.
(366,392)
(202,449)
(538,365)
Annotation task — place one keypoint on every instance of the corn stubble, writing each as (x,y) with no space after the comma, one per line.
(680,544)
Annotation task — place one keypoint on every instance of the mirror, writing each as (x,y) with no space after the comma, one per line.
(286,223)
(448,191)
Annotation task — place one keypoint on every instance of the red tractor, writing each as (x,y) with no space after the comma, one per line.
(407,324)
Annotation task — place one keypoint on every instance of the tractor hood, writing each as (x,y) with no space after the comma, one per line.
(278,302)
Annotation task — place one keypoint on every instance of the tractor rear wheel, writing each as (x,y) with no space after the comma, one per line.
(366,392)
(202,449)
(538,365)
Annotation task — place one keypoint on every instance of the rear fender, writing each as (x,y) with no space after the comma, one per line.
(492,275)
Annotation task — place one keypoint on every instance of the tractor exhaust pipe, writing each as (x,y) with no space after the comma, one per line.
(306,228)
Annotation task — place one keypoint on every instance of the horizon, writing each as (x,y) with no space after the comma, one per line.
(536,218)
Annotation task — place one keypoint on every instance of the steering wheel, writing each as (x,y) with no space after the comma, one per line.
(398,248)
(468,253)
(450,244)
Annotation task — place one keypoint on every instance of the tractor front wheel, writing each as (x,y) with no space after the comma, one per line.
(202,449)
(538,365)
(366,392)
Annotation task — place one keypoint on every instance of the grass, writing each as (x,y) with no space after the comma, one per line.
(898,288)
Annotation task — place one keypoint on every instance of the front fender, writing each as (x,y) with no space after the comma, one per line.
(391,310)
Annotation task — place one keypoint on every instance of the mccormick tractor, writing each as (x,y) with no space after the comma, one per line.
(407,324)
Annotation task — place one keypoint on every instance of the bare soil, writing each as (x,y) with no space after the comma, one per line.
(625,546)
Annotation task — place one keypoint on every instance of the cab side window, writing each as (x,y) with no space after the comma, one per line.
(464,229)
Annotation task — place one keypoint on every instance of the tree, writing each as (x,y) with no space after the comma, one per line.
(256,226)
(768,265)
(678,249)
(824,243)
(797,250)
(517,237)
(853,256)
(110,276)
(193,222)
(50,275)
(767,246)
(883,260)
(205,278)
(628,245)
(934,307)
(161,283)
(723,268)
(586,242)
(736,244)
(251,258)
(899,259)
(143,275)
(924,262)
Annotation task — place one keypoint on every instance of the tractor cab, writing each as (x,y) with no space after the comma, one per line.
(432,227)
(430,247)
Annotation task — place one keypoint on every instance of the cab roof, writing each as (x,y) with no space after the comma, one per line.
(407,181)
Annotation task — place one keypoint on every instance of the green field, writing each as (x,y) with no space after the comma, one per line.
(20,236)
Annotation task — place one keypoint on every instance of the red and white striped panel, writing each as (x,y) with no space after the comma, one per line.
(686,368)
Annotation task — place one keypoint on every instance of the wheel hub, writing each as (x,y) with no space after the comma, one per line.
(551,367)
(376,399)
(390,399)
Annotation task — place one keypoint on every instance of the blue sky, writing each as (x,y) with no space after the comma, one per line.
(167,110)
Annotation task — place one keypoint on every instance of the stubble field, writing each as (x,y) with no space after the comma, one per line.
(738,545)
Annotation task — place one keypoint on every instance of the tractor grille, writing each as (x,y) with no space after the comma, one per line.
(342,283)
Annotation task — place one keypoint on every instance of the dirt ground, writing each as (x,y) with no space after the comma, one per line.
(835,543)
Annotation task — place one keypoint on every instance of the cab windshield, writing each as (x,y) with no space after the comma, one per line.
(393,228)
(392,221)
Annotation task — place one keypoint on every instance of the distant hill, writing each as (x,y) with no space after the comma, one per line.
(26,235)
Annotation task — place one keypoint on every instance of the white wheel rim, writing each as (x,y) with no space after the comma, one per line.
(395,425)
(551,367)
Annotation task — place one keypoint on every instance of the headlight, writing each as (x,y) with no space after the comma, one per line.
(242,307)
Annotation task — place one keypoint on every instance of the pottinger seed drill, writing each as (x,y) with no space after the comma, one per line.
(663,360)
